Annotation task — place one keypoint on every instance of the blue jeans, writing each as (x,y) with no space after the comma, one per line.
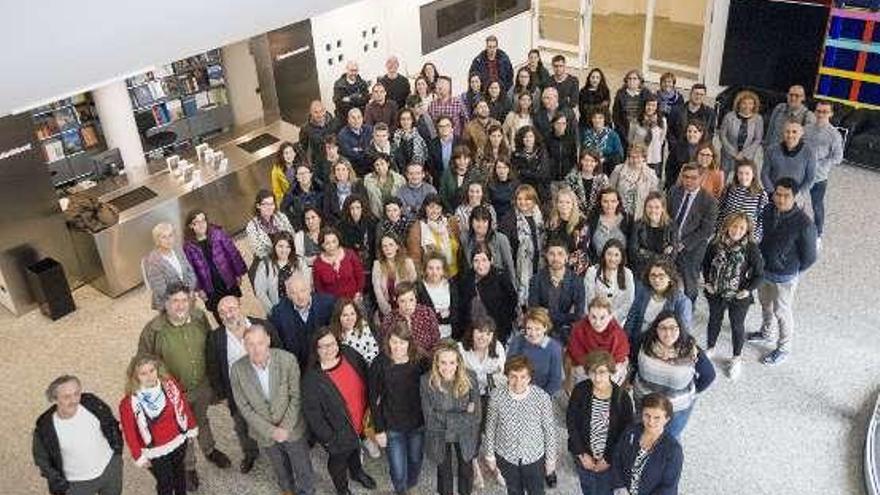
(405,451)
(593,483)
(817,198)
(679,420)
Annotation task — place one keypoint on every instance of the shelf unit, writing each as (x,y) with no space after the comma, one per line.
(69,134)
(180,104)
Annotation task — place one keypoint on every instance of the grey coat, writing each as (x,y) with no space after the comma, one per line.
(282,409)
(447,420)
(729,134)
(159,274)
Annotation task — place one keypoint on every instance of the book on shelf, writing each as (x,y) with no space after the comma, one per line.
(190,107)
(161,114)
(171,86)
(202,99)
(46,126)
(89,136)
(174,109)
(215,75)
(142,96)
(156,90)
(54,150)
(138,79)
(72,141)
(164,71)
(217,96)
(65,118)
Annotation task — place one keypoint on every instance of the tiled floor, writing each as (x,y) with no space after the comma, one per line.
(796,429)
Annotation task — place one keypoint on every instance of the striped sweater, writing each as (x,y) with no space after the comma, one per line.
(738,198)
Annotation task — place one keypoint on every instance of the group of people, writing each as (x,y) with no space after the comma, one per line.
(449,276)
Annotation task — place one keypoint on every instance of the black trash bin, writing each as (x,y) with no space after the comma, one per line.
(50,289)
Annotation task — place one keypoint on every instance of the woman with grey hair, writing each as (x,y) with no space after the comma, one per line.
(165,264)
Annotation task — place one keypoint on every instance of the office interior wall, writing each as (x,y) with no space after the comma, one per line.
(54,49)
(242,83)
(343,34)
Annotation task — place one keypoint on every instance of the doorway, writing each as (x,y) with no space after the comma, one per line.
(295,71)
(655,36)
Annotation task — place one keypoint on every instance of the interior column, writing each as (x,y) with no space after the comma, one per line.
(120,130)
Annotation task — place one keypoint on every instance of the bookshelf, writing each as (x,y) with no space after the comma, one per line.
(69,134)
(179,104)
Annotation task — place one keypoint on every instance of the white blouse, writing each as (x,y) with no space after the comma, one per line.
(490,366)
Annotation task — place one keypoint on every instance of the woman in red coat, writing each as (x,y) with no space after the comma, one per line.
(156,422)
(337,271)
(599,331)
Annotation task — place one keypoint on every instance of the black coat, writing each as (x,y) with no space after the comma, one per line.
(679,154)
(580,409)
(424,299)
(699,225)
(562,154)
(47,451)
(435,159)
(324,407)
(534,170)
(312,136)
(498,295)
(752,272)
(294,332)
(218,371)
(332,209)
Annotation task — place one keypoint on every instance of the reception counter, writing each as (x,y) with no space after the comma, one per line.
(111,259)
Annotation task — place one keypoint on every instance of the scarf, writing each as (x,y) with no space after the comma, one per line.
(611,340)
(343,190)
(435,236)
(726,269)
(525,251)
(172,396)
(630,183)
(151,400)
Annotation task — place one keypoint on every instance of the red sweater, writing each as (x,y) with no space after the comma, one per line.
(165,432)
(353,391)
(584,339)
(346,282)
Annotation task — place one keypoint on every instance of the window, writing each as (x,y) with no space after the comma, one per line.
(446,21)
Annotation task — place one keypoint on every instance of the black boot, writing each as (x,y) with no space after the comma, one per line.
(364,479)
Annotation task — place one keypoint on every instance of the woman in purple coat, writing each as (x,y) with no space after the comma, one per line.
(215,259)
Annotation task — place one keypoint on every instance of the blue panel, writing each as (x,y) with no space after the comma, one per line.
(872,66)
(870,93)
(840,58)
(838,87)
(852,28)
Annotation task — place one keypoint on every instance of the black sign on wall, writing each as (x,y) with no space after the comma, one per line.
(772,45)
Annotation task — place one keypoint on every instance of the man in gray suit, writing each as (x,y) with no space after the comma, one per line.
(265,384)
(694,211)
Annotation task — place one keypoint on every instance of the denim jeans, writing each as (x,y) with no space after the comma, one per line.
(817,199)
(593,483)
(405,452)
(679,420)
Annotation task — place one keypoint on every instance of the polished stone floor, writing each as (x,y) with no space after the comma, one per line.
(795,429)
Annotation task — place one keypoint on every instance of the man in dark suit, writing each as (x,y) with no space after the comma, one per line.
(226,343)
(694,211)
(440,150)
(299,315)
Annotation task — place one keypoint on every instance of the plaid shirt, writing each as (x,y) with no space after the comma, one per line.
(453,108)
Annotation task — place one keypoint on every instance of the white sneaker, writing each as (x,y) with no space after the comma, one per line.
(735,368)
(818,244)
(372,448)
(710,353)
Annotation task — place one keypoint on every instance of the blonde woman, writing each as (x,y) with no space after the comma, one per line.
(634,179)
(451,407)
(343,183)
(568,224)
(742,131)
(390,267)
(156,423)
(166,264)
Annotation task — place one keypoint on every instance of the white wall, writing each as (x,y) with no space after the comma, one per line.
(242,83)
(398,32)
(59,48)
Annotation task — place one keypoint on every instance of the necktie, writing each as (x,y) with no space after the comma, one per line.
(682,210)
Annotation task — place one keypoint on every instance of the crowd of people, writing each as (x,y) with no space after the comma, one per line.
(453,276)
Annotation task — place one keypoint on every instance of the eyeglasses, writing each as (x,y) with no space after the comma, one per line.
(707,153)
(668,326)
